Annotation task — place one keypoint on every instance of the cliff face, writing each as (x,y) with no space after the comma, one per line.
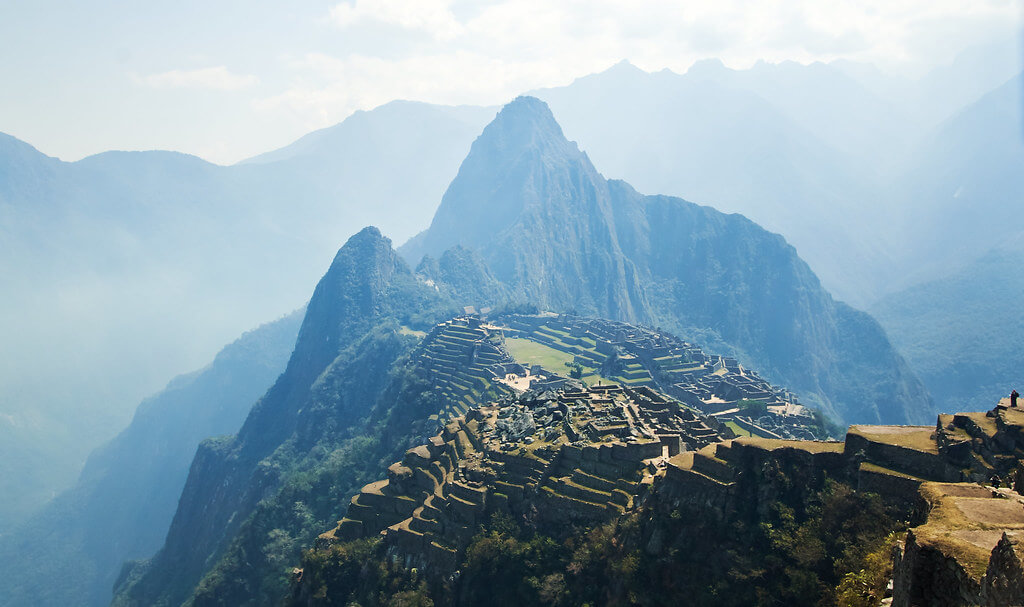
(539,214)
(955,572)
(561,236)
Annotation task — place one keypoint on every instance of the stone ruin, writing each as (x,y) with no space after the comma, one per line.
(967,550)
(592,454)
(640,357)
(569,455)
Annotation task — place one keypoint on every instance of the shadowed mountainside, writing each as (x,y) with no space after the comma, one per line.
(962,334)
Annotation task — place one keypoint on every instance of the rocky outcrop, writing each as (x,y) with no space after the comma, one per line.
(747,475)
(967,553)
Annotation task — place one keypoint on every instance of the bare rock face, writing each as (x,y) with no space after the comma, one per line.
(923,575)
(948,559)
(1004,579)
(517,426)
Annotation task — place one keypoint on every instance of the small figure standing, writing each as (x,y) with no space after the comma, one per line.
(1013,398)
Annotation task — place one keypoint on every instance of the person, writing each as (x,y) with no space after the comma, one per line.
(1013,398)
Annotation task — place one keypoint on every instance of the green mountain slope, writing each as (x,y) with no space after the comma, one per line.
(303,443)
(536,221)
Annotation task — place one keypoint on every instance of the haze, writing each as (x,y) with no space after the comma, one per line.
(229,80)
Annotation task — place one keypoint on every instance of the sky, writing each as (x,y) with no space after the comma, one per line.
(229,79)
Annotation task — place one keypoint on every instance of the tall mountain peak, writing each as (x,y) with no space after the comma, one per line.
(366,281)
(524,194)
(525,123)
(519,164)
(360,277)
(368,241)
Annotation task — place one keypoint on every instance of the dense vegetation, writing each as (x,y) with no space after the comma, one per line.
(831,550)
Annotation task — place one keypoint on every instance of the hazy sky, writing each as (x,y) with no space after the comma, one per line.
(229,79)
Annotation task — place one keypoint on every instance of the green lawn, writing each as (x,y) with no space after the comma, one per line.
(530,352)
(404,330)
(736,428)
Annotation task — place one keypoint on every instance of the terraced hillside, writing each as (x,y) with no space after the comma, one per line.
(576,455)
(463,358)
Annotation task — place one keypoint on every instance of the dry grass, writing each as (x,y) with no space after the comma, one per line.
(965,522)
(918,438)
(880,470)
(771,444)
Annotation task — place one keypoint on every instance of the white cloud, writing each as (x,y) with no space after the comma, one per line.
(485,53)
(216,78)
(535,43)
(332,88)
(433,17)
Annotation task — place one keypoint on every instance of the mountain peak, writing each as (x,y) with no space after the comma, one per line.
(368,245)
(523,159)
(625,67)
(524,122)
(711,67)
(368,235)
